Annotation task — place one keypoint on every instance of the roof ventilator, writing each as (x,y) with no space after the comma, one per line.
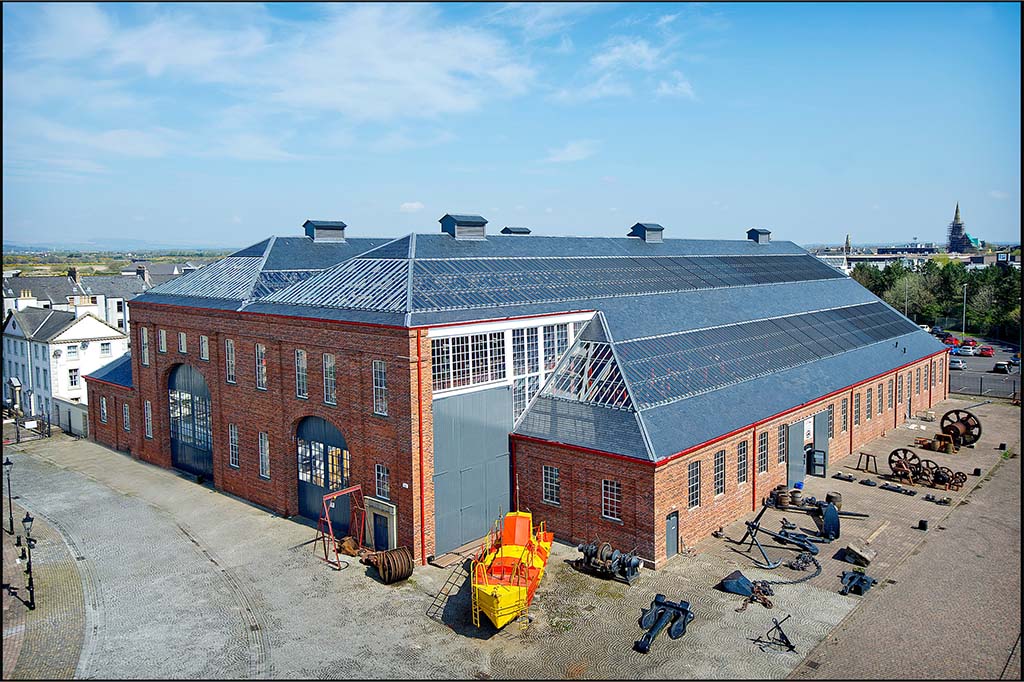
(515,230)
(759,235)
(463,226)
(649,232)
(325,230)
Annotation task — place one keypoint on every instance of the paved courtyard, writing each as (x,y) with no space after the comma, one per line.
(176,580)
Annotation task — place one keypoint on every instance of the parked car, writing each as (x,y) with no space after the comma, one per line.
(986,351)
(943,335)
(957,363)
(966,350)
(925,327)
(1002,368)
(969,342)
(951,340)
(1015,360)
(938,331)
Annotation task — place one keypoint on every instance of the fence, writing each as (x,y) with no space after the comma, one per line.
(988,386)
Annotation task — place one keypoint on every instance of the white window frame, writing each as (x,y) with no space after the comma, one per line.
(380,388)
(148,410)
(73,351)
(204,347)
(103,409)
(719,473)
(762,452)
(330,379)
(183,343)
(782,435)
(301,374)
(868,405)
(161,341)
(693,484)
(229,362)
(551,485)
(144,345)
(106,349)
(611,500)
(831,421)
(382,476)
(844,414)
(264,448)
(878,396)
(856,409)
(126,417)
(742,473)
(233,446)
(74,378)
(260,359)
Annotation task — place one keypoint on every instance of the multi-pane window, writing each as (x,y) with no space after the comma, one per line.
(934,372)
(719,472)
(261,366)
(161,340)
(844,415)
(611,500)
(264,455)
(868,404)
(73,377)
(204,347)
(888,396)
(926,375)
(72,352)
(339,466)
(330,387)
(105,349)
(524,351)
(878,395)
(383,482)
(126,417)
(831,421)
(910,384)
(899,390)
(148,416)
(917,384)
(552,485)
(762,452)
(556,342)
(301,387)
(103,410)
(467,360)
(182,342)
(741,462)
(942,370)
(380,388)
(693,484)
(782,443)
(229,361)
(523,390)
(233,445)
(856,409)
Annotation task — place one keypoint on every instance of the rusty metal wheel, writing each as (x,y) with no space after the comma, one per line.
(962,426)
(959,478)
(904,462)
(943,477)
(394,565)
(927,472)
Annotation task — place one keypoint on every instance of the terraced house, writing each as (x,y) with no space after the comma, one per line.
(640,390)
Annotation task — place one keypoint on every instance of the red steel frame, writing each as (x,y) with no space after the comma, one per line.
(357,516)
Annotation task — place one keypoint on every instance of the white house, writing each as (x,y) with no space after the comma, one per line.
(46,353)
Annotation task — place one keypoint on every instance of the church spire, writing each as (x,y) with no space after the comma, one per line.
(956,218)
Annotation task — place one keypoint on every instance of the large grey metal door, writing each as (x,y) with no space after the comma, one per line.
(821,438)
(796,461)
(672,534)
(188,404)
(471,465)
(323,467)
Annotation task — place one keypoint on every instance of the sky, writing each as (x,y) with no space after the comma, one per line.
(221,124)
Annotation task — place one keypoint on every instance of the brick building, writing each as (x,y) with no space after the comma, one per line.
(637,389)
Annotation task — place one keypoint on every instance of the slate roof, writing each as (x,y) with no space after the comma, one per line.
(705,336)
(57,289)
(41,324)
(117,372)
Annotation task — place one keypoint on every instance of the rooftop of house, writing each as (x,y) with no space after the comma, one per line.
(118,372)
(57,289)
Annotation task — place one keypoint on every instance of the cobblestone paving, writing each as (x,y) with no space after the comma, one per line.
(29,635)
(181,581)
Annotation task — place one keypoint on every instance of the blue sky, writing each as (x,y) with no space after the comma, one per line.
(220,124)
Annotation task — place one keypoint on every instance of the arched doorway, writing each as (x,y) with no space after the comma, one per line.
(188,400)
(324,466)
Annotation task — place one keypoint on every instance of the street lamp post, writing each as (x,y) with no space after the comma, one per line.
(964,328)
(8,465)
(27,523)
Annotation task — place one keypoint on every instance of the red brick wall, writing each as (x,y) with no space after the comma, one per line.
(578,519)
(112,433)
(392,440)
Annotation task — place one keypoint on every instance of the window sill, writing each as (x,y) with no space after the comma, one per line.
(302,397)
(382,416)
(611,520)
(230,383)
(330,404)
(264,389)
(264,478)
(149,437)
(233,466)
(556,504)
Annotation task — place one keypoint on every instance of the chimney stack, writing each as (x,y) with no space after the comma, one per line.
(74,276)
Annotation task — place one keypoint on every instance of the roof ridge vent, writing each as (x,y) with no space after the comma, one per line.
(325,230)
(508,229)
(759,235)
(464,226)
(650,232)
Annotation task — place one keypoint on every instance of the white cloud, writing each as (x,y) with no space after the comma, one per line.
(576,150)
(403,139)
(539,20)
(411,207)
(151,143)
(676,86)
(625,52)
(608,85)
(997,194)
(252,147)
(666,19)
(70,31)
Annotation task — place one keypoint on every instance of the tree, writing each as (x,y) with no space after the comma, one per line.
(869,277)
(912,295)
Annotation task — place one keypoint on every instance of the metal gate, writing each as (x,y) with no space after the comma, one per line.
(471,465)
(821,437)
(188,401)
(324,466)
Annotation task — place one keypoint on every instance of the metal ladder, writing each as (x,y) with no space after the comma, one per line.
(454,580)
(474,603)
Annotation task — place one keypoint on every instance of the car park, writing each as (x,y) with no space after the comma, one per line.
(1002,368)
(969,342)
(986,351)
(966,350)
(938,331)
(925,327)
(957,363)
(951,341)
